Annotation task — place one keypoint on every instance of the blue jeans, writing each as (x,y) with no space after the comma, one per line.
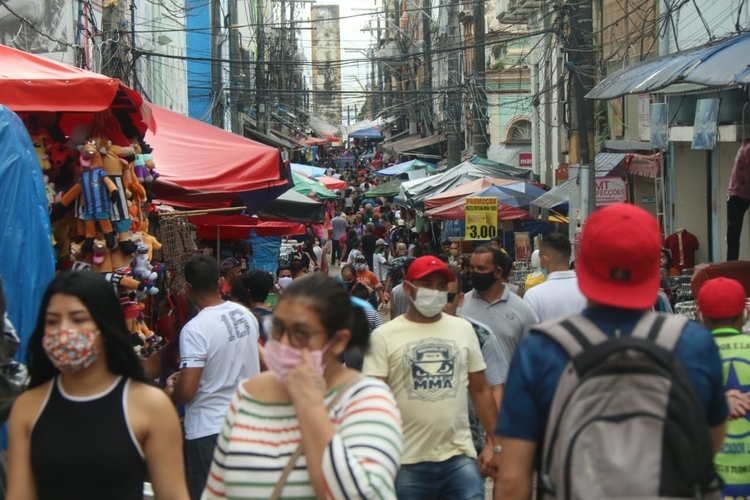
(198,455)
(454,479)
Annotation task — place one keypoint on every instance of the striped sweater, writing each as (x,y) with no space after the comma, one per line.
(258,438)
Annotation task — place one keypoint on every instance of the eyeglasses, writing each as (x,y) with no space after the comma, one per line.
(299,337)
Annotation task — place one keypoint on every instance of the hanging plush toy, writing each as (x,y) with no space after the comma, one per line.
(142,268)
(94,193)
(113,158)
(40,142)
(150,241)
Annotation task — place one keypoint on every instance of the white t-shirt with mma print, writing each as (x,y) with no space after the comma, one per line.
(223,340)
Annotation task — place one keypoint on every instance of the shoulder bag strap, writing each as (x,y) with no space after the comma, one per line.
(574,333)
(298,452)
(663,329)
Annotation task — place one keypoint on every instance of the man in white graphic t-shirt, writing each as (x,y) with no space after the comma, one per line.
(218,349)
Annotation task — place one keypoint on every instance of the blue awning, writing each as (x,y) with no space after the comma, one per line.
(718,65)
(404,167)
(367,133)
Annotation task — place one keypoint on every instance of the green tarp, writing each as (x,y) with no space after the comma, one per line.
(390,188)
(304,186)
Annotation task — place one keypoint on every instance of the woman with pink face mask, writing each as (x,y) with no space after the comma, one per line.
(91,424)
(309,427)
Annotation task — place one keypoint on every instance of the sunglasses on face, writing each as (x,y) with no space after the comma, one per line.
(451,296)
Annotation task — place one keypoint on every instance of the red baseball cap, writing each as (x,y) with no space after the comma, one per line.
(618,264)
(722,298)
(424,266)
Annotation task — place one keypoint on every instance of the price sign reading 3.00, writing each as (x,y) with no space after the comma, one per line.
(481,217)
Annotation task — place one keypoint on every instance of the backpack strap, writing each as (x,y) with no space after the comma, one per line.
(663,329)
(574,333)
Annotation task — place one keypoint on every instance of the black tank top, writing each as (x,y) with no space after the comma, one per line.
(83,448)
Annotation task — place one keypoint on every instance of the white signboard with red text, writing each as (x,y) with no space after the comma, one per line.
(611,190)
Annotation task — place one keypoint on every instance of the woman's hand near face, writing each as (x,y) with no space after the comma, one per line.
(304,385)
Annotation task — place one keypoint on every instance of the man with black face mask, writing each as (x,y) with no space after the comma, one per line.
(492,303)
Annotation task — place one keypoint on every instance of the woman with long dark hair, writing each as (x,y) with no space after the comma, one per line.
(309,427)
(91,423)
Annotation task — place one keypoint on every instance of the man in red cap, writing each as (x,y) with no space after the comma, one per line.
(722,308)
(618,273)
(429,360)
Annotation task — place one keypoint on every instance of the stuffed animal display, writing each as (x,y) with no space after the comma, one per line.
(98,193)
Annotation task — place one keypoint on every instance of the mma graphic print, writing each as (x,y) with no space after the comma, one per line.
(432,368)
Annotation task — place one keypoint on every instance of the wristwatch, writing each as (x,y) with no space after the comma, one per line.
(497,448)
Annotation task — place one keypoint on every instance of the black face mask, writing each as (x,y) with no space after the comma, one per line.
(483,281)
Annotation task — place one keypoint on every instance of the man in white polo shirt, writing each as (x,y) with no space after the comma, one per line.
(559,295)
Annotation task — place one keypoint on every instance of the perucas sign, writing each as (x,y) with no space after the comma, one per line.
(610,190)
(481,217)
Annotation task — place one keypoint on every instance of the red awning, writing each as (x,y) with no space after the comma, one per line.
(315,141)
(34,83)
(331,183)
(237,227)
(643,165)
(201,163)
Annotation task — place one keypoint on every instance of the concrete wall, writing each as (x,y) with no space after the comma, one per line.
(326,57)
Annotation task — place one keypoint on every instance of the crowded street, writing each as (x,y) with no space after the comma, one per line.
(420,250)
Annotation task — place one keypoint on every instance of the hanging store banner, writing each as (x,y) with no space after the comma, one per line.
(611,190)
(481,217)
(523,245)
(706,123)
(659,126)
(644,117)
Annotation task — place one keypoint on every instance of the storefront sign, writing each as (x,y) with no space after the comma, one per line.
(481,217)
(648,200)
(610,190)
(561,173)
(525,160)
(644,117)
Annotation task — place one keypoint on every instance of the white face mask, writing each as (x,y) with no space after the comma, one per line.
(429,302)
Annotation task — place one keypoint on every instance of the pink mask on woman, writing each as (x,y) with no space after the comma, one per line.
(280,358)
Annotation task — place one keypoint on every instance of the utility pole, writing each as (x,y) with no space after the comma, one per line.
(282,52)
(217,99)
(427,65)
(454,99)
(580,65)
(114,59)
(479,122)
(234,68)
(260,72)
(134,54)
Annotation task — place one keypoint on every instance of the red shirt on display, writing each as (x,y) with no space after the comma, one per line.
(683,246)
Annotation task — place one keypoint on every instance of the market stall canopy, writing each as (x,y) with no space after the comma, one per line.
(292,206)
(331,183)
(721,64)
(506,170)
(457,211)
(371,133)
(413,193)
(33,83)
(238,227)
(390,188)
(307,170)
(413,143)
(306,187)
(198,162)
(402,168)
(460,192)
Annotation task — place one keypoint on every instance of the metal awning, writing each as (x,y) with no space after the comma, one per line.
(717,65)
(268,139)
(414,142)
(290,139)
(604,163)
(556,196)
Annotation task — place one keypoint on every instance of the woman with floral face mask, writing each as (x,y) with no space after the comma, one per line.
(309,427)
(90,425)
